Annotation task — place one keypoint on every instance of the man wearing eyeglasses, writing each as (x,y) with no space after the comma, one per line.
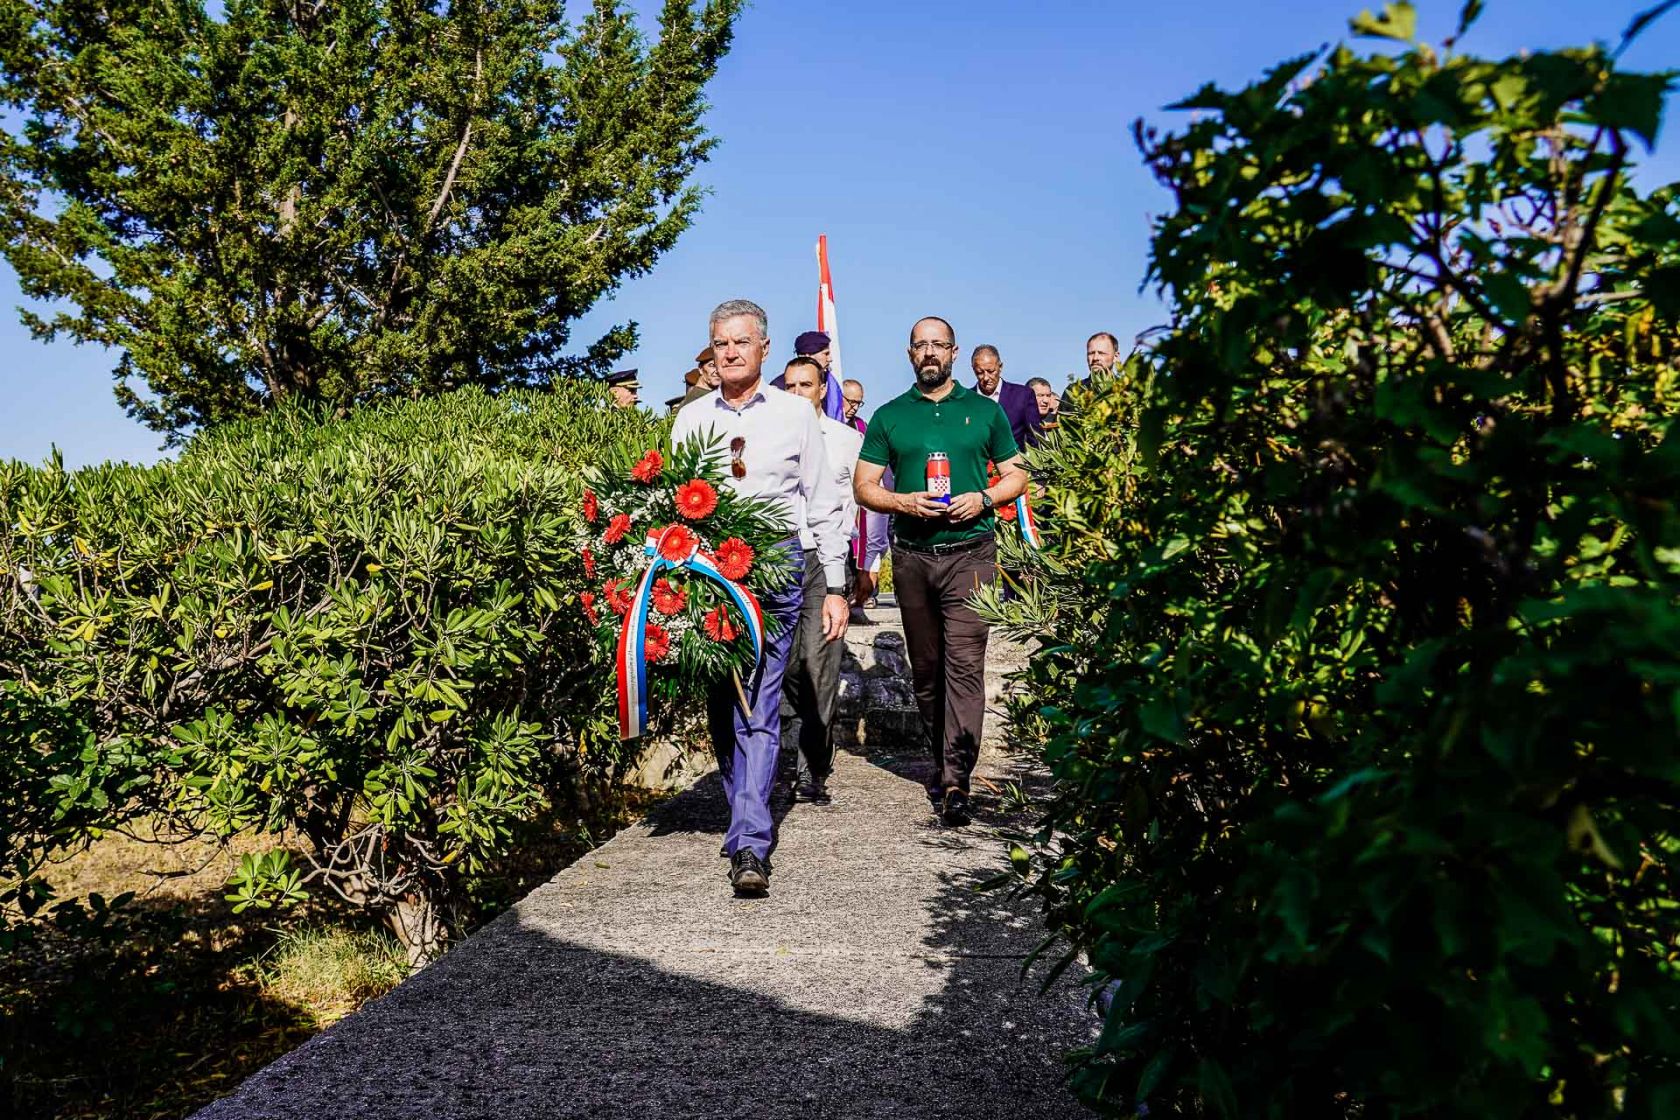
(851,397)
(942,551)
(775,451)
(869,543)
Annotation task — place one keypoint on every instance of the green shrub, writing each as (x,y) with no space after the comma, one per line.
(1361,685)
(363,631)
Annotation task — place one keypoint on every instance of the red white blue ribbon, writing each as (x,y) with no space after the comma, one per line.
(1028,523)
(632,633)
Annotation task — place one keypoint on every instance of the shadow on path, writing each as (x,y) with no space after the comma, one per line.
(540,1027)
(873,982)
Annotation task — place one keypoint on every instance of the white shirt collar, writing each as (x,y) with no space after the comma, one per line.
(756,397)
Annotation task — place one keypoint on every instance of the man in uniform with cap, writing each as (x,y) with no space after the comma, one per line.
(626,390)
(705,377)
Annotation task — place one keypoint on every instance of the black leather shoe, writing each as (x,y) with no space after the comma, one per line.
(813,790)
(955,810)
(747,873)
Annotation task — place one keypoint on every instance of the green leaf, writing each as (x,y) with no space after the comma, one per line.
(1398,21)
(1509,296)
(1468,15)
(1214,1085)
(1632,102)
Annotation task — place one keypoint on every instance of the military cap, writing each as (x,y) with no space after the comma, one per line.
(811,342)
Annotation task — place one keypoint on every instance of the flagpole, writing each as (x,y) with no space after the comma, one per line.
(833,400)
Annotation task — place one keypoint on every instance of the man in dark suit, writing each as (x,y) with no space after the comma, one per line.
(1017,401)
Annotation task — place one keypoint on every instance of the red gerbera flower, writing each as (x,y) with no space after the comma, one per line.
(1007,512)
(668,598)
(588,564)
(719,626)
(696,499)
(616,528)
(589,612)
(618,595)
(591,506)
(734,559)
(676,542)
(648,469)
(658,642)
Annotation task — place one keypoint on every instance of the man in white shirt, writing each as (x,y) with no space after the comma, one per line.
(1017,401)
(812,689)
(774,448)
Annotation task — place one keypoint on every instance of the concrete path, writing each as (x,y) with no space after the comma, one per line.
(873,982)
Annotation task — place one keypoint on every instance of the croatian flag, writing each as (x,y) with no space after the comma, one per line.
(833,403)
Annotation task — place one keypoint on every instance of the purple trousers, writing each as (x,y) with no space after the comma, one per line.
(747,745)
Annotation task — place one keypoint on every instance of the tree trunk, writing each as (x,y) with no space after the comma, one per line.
(420,925)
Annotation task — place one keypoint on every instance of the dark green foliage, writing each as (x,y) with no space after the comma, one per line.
(365,633)
(1365,700)
(339,201)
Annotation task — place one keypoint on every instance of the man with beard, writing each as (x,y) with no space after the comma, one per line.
(774,450)
(1017,401)
(943,550)
(1102,352)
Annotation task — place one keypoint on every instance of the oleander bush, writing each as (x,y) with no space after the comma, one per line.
(1359,662)
(359,632)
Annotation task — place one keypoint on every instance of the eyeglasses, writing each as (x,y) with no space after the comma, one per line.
(925,345)
(737,467)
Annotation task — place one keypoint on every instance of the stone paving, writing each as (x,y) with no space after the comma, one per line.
(873,982)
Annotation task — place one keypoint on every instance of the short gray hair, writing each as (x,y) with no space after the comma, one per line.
(730,308)
(985,348)
(1031,381)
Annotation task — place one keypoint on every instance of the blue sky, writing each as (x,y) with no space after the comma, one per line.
(967,159)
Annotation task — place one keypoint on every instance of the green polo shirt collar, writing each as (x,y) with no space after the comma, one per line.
(968,428)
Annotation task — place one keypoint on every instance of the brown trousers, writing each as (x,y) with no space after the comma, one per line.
(946,641)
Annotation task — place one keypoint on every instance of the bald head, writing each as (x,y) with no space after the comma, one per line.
(987,364)
(949,333)
(933,348)
(851,392)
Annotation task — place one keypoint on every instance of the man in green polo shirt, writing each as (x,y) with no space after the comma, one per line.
(942,551)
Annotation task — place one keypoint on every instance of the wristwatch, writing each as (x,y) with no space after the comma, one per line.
(837,591)
(986,502)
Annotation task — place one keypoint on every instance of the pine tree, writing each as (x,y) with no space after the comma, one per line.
(342,199)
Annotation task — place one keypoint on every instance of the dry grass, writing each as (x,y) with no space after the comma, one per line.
(184,999)
(329,971)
